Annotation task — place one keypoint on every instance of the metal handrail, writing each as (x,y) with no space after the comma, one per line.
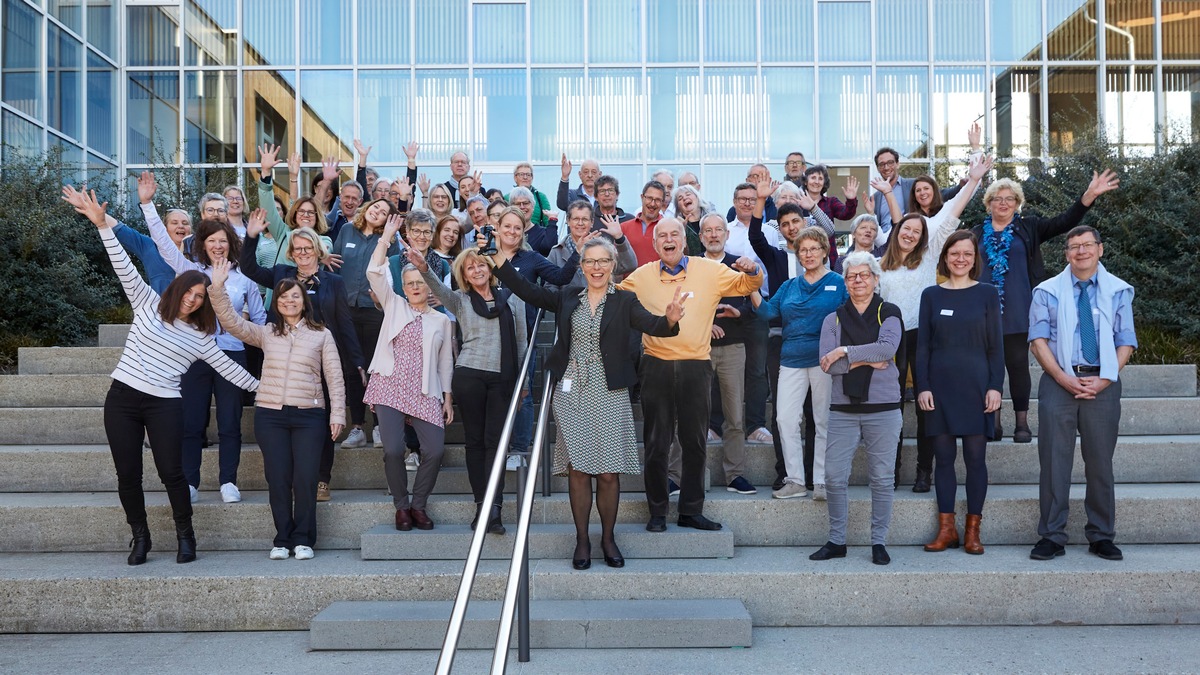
(518,569)
(458,613)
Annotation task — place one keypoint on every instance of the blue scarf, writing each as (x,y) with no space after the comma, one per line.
(995,251)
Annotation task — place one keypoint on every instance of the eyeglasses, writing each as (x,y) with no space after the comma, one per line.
(306,213)
(305,250)
(523,202)
(1005,200)
(524,174)
(887,163)
(210,211)
(414,284)
(810,251)
(1085,246)
(420,233)
(235,199)
(794,163)
(596,262)
(652,200)
(860,276)
(606,191)
(744,200)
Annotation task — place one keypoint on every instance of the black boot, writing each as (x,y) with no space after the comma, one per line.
(139,546)
(478,510)
(922,482)
(494,526)
(187,543)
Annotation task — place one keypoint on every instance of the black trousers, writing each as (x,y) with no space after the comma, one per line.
(368,322)
(1016,362)
(291,441)
(906,360)
(675,402)
(130,415)
(483,397)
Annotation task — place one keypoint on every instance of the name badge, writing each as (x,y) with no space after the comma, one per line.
(311,292)
(947,312)
(350,245)
(831,288)
(566,386)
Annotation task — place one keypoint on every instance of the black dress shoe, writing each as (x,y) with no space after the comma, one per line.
(922,482)
(139,546)
(879,555)
(187,543)
(828,551)
(1022,435)
(699,522)
(657,524)
(615,560)
(1047,550)
(494,524)
(1106,549)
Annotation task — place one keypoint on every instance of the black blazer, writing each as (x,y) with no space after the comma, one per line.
(622,312)
(1035,230)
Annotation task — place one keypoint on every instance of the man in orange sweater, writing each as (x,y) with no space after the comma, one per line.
(675,373)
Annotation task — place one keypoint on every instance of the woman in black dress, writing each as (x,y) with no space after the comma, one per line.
(960,372)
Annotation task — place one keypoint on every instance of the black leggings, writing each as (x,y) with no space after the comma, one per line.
(130,415)
(946,483)
(906,360)
(1016,362)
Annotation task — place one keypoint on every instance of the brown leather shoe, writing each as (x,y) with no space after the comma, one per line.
(947,536)
(404,521)
(322,492)
(420,519)
(971,535)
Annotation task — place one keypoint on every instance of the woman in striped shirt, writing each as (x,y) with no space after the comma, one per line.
(168,335)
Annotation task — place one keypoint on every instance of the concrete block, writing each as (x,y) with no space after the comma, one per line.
(53,391)
(1150,380)
(112,334)
(67,360)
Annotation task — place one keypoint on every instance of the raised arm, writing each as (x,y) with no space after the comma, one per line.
(819,216)
(136,289)
(268,158)
(450,299)
(885,188)
(231,321)
(147,187)
(979,168)
(410,151)
(293,178)
(533,294)
(564,185)
(249,260)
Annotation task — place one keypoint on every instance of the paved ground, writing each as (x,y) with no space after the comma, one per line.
(1063,649)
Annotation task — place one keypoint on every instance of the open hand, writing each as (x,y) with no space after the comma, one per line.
(220,272)
(147,187)
(86,204)
(867,202)
(333,261)
(414,256)
(1101,183)
(850,189)
(256,223)
(410,150)
(980,166)
(766,188)
(268,157)
(423,184)
(363,151)
(612,226)
(294,165)
(881,185)
(973,136)
(566,168)
(393,225)
(330,169)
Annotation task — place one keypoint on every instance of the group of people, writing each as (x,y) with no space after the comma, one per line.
(357,298)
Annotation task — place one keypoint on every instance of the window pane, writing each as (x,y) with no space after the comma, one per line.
(729,30)
(64,72)
(1129,113)
(500,132)
(674,31)
(1016,30)
(616,112)
(153,36)
(69,12)
(499,34)
(845,113)
(958,30)
(558,115)
(959,100)
(730,113)
(1071,93)
(907,21)
(328,114)
(211,30)
(442,120)
(101,105)
(441,31)
(270,110)
(842,25)
(788,94)
(614,31)
(1180,28)
(384,118)
(21,138)
(383,27)
(1072,33)
(1136,17)
(22,56)
(787,30)
(102,25)
(325,32)
(210,112)
(630,179)
(70,163)
(152,110)
(559,27)
(1181,96)
(675,106)
(1018,113)
(269,32)
(901,120)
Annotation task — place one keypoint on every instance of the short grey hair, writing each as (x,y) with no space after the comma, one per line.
(603,243)
(521,192)
(353,184)
(478,199)
(786,188)
(419,215)
(212,197)
(863,218)
(862,258)
(684,189)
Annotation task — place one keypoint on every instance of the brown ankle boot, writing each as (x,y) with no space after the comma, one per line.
(947,536)
(971,535)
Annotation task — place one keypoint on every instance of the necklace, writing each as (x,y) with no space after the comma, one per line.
(995,250)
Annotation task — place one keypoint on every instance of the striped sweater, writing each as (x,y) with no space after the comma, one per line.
(156,353)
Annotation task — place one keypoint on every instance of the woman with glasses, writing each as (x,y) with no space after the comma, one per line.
(417,230)
(305,211)
(579,225)
(1010,250)
(593,369)
(235,209)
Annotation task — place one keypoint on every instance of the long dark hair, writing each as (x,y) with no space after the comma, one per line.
(203,318)
(892,256)
(207,229)
(935,205)
(306,314)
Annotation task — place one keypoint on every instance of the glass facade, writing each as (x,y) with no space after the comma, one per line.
(703,85)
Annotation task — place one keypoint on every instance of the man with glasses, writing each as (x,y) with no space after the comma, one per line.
(793,168)
(460,167)
(887,162)
(758,173)
(608,191)
(640,230)
(589,173)
(350,197)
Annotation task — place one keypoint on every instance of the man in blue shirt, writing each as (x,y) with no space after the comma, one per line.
(1081,332)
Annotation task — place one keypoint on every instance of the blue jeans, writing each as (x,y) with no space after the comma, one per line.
(522,433)
(197,387)
(291,440)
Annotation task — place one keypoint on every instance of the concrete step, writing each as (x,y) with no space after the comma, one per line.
(89,468)
(549,540)
(31,522)
(560,624)
(112,334)
(67,360)
(1140,381)
(240,591)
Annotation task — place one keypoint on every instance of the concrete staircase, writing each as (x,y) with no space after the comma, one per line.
(63,537)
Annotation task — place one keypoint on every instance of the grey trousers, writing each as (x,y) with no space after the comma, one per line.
(391,432)
(1060,415)
(880,432)
(729,366)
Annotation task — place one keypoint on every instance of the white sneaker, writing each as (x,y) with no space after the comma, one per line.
(355,439)
(514,462)
(195,494)
(760,435)
(713,437)
(790,491)
(230,493)
(279,553)
(375,437)
(304,553)
(413,461)
(819,492)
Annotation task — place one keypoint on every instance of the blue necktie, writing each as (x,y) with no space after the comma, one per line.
(1087,327)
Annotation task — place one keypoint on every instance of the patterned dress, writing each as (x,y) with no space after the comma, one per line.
(402,389)
(595,425)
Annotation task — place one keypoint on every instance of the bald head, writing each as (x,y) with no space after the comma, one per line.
(670,240)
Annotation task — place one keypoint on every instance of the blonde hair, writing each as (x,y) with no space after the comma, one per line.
(311,235)
(814,234)
(458,268)
(1003,184)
